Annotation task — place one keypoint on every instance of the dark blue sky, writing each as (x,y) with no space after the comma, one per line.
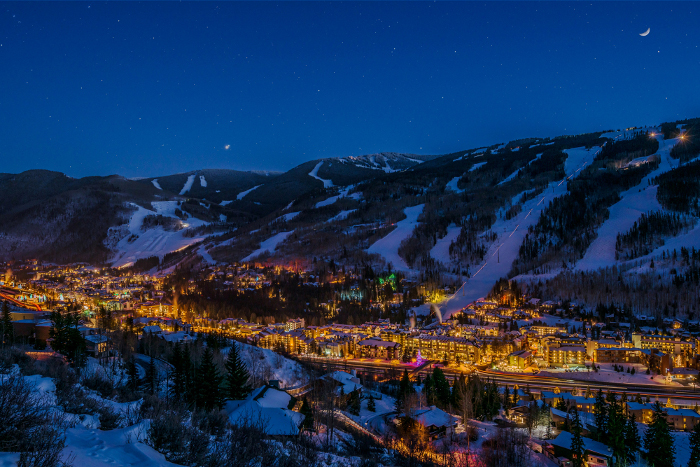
(145,89)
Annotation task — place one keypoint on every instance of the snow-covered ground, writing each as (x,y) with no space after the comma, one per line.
(634,202)
(242,194)
(202,181)
(314,174)
(188,184)
(156,241)
(502,253)
(441,250)
(342,215)
(452,185)
(342,194)
(268,245)
(286,217)
(156,184)
(608,375)
(270,365)
(478,165)
(388,246)
(225,203)
(515,174)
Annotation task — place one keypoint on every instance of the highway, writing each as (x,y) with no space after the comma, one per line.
(379,369)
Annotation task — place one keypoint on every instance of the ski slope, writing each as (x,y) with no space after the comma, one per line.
(269,245)
(152,242)
(202,181)
(477,166)
(441,250)
(188,185)
(242,194)
(341,216)
(314,174)
(156,184)
(452,185)
(634,202)
(504,250)
(388,246)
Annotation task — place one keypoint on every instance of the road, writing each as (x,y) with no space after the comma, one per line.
(378,369)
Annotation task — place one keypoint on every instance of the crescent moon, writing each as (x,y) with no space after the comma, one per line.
(646,33)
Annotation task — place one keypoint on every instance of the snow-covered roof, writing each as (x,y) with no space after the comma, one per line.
(349,382)
(432,416)
(268,405)
(564,441)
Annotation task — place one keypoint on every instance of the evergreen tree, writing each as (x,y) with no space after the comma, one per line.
(178,373)
(577,447)
(600,410)
(151,380)
(658,440)
(354,403)
(371,406)
(616,432)
(506,399)
(190,374)
(429,390)
(442,387)
(305,410)
(132,375)
(8,332)
(67,339)
(632,440)
(209,380)
(237,376)
(694,441)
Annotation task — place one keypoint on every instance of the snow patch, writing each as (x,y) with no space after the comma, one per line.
(188,184)
(314,174)
(202,181)
(242,194)
(156,184)
(389,245)
(477,166)
(269,245)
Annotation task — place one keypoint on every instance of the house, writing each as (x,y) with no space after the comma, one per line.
(347,381)
(596,453)
(269,406)
(436,421)
(374,348)
(96,345)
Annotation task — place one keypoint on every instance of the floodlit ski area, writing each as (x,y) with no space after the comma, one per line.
(504,250)
(388,246)
(634,202)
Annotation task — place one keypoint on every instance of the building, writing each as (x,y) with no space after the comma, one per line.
(375,348)
(566,356)
(520,359)
(596,453)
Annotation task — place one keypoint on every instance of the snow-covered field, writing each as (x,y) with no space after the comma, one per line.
(452,185)
(441,250)
(242,194)
(266,364)
(502,253)
(388,246)
(342,215)
(314,174)
(152,242)
(268,245)
(636,201)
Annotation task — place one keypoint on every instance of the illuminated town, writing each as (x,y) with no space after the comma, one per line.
(544,359)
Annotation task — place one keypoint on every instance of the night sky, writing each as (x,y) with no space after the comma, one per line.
(146,89)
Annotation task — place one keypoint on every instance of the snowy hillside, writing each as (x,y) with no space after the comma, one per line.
(636,201)
(157,241)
